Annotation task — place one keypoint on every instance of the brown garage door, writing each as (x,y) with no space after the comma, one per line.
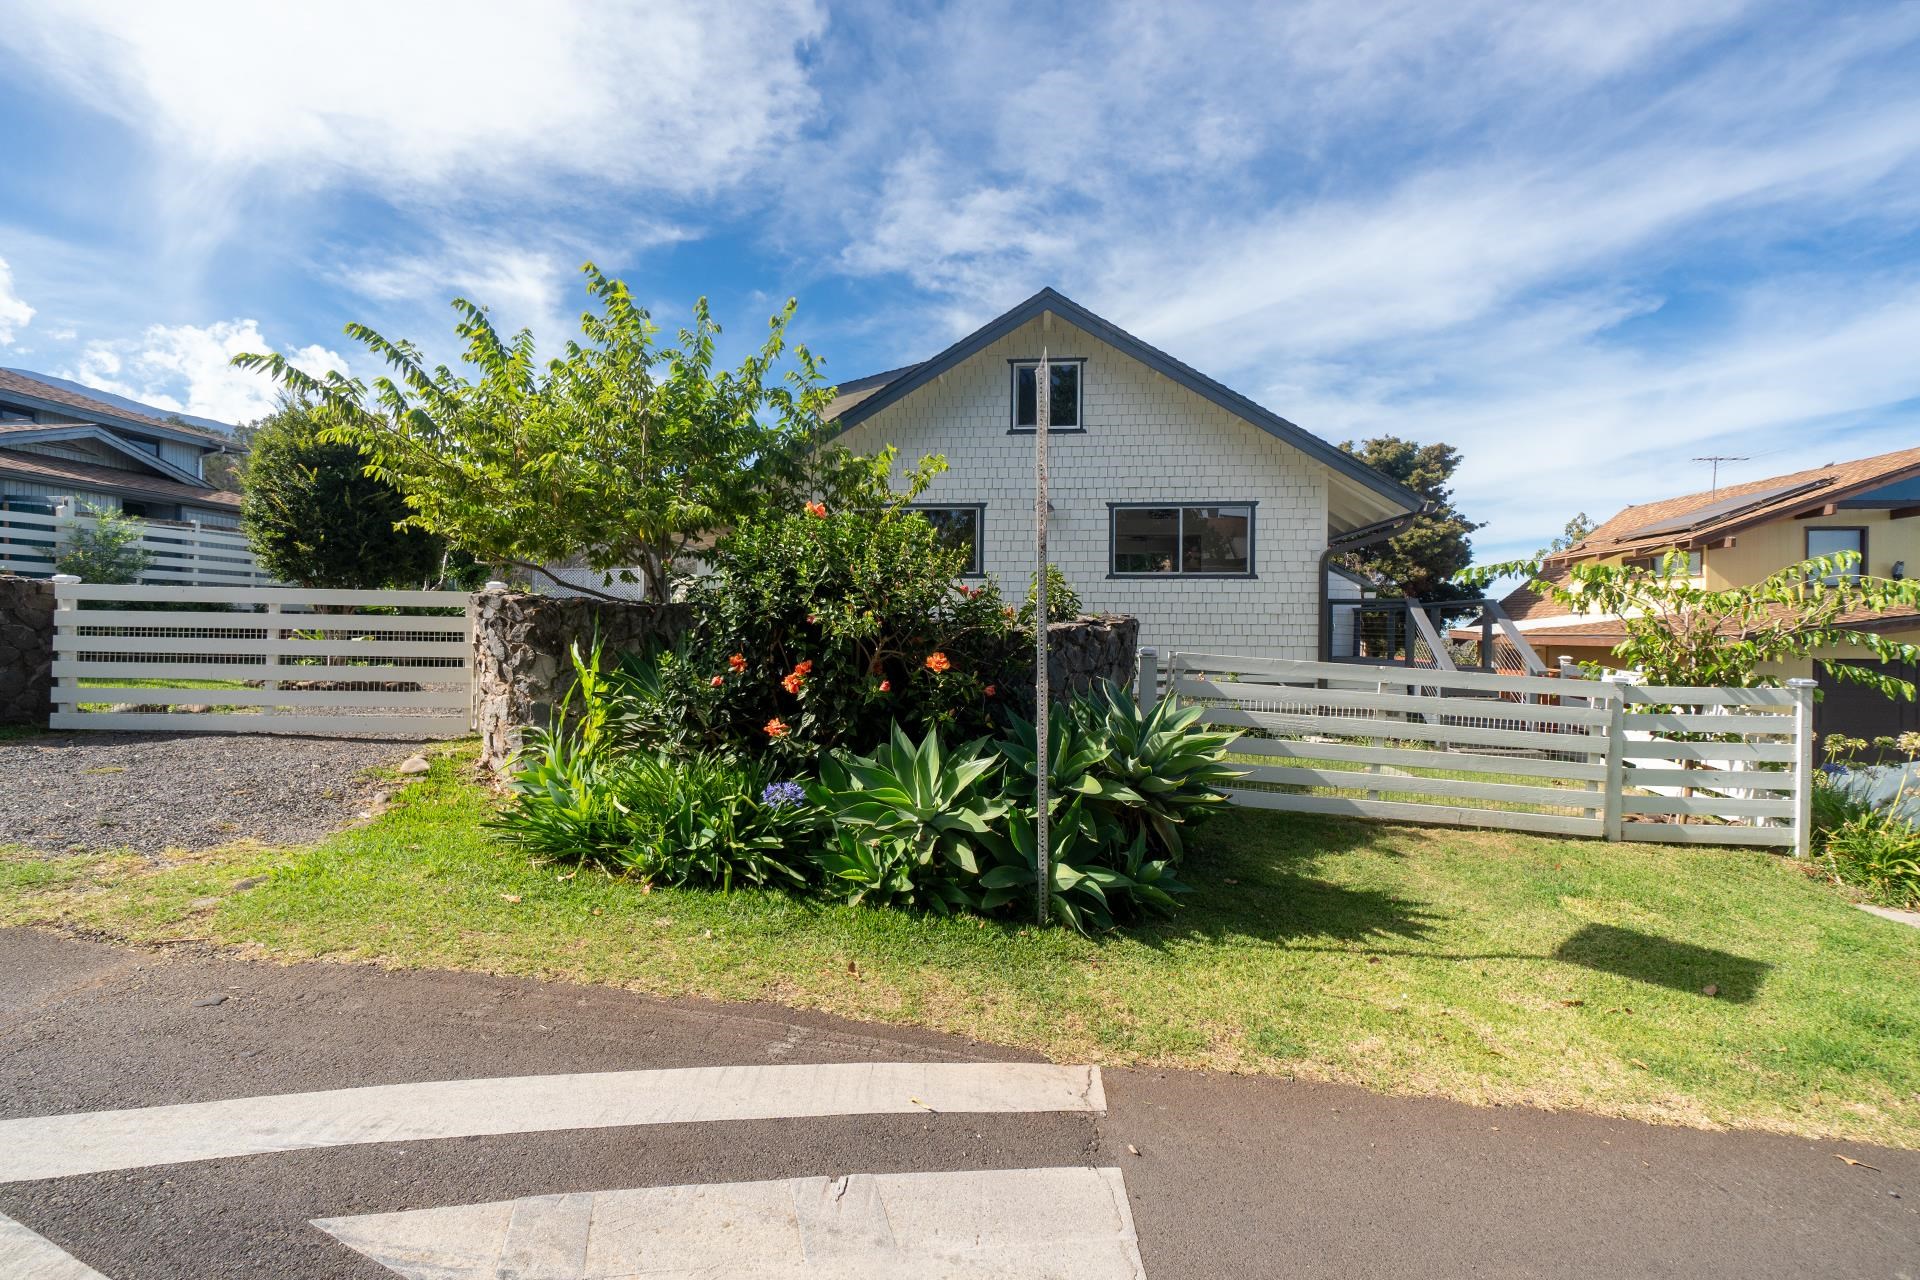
(1860,712)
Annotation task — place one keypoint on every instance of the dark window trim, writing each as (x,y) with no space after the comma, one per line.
(1182,504)
(1013,395)
(979,509)
(1806,542)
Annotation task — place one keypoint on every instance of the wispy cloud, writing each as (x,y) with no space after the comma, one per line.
(188,368)
(14,312)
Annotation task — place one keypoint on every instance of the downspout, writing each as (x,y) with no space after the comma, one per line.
(1364,536)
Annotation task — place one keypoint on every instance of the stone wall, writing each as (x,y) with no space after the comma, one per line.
(26,650)
(522,663)
(522,668)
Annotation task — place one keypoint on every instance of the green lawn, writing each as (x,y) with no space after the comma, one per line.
(1489,967)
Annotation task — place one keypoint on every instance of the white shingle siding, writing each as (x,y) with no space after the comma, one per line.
(1147,439)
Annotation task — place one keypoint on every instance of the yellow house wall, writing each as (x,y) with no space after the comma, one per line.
(1766,548)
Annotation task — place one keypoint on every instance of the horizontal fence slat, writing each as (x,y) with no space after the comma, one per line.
(132,667)
(1404,811)
(1710,806)
(1711,779)
(265,595)
(171,619)
(370,698)
(1411,730)
(1385,673)
(69,645)
(1683,722)
(1465,789)
(1486,709)
(1675,833)
(335,726)
(1681,696)
(1662,749)
(1418,758)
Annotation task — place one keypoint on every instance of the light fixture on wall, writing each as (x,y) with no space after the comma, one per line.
(1899,570)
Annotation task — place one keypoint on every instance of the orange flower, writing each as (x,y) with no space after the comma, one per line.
(938,662)
(989,691)
(738,663)
(791,683)
(1010,611)
(777,728)
(886,686)
(803,668)
(717,681)
(818,510)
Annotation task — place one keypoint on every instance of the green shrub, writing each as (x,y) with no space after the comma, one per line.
(820,629)
(1063,602)
(1162,770)
(108,551)
(1877,853)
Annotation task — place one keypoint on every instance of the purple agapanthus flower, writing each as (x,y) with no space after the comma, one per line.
(782,795)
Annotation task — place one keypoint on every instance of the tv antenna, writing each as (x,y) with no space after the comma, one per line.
(1716,459)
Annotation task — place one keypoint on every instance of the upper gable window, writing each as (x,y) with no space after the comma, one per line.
(1064,402)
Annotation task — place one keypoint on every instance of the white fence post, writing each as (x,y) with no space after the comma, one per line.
(1616,784)
(1146,680)
(1803,691)
(66,689)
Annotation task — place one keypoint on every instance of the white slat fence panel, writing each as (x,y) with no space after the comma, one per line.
(1526,753)
(279,659)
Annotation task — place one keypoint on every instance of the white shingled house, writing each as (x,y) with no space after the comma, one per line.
(1174,498)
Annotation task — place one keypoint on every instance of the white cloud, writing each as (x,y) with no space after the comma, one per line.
(489,95)
(187,368)
(14,313)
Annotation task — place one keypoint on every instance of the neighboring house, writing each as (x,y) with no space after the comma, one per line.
(58,444)
(1173,497)
(1741,533)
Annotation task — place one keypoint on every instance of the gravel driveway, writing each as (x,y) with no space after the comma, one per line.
(155,791)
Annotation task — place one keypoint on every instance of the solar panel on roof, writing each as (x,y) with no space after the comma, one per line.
(1722,509)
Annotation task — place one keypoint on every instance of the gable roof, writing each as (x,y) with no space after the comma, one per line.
(1695,519)
(859,400)
(24,389)
(14,433)
(112,480)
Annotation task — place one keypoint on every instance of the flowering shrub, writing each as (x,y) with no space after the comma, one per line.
(820,628)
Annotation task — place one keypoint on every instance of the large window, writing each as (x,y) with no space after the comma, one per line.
(1063,376)
(1831,542)
(1210,541)
(959,527)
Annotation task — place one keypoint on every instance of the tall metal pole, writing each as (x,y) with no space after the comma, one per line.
(1043,850)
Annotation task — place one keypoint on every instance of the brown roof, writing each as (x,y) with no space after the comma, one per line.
(1634,529)
(96,410)
(112,480)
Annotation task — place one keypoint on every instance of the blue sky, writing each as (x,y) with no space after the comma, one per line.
(1584,243)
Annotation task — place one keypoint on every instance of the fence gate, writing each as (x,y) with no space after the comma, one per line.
(262,660)
(1526,753)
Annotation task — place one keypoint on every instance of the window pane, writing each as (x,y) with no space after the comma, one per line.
(1064,379)
(1065,405)
(1146,539)
(1215,540)
(1828,542)
(957,527)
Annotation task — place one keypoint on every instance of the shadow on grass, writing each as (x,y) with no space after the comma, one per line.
(1649,958)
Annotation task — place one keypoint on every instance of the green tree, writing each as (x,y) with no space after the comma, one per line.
(107,550)
(1683,634)
(225,470)
(1423,560)
(315,517)
(1575,532)
(624,451)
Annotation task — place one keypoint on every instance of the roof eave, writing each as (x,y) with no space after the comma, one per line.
(1050,300)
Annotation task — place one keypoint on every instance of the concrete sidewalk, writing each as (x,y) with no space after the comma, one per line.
(1222,1176)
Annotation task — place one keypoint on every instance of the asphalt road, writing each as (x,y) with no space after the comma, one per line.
(1224,1176)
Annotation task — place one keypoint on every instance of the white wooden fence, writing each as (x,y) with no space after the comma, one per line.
(1527,753)
(262,660)
(184,553)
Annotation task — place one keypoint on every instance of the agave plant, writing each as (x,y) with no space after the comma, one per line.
(1160,772)
(932,803)
(1088,890)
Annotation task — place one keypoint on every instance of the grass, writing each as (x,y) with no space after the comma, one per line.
(1488,967)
